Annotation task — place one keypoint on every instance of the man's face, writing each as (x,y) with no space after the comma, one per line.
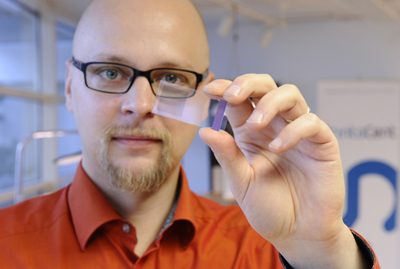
(121,138)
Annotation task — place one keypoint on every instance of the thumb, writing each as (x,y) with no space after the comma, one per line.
(228,155)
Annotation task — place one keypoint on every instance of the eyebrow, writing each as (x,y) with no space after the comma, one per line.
(109,58)
(119,59)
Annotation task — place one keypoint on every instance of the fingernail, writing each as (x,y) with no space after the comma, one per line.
(234,89)
(256,116)
(276,143)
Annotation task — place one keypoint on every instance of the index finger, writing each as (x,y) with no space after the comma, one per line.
(243,87)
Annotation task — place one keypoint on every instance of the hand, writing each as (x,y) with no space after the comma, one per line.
(283,167)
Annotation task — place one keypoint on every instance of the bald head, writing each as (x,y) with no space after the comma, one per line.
(136,30)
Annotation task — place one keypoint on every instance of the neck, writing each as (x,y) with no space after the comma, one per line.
(146,211)
(136,206)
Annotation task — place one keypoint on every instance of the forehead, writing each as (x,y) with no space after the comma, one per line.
(115,58)
(145,35)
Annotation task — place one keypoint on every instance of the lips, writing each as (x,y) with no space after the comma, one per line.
(136,142)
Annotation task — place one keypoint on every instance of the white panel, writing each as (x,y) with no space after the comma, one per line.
(364,115)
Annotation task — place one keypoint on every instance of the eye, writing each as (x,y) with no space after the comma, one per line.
(171,78)
(110,74)
(174,76)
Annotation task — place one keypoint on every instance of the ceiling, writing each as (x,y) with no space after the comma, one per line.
(274,12)
(293,11)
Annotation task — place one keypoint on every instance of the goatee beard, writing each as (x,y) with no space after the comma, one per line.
(137,179)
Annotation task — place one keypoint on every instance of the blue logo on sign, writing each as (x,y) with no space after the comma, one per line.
(353,177)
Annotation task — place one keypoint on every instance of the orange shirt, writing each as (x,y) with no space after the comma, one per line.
(75,227)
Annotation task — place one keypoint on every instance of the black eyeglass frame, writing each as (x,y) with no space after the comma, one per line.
(137,73)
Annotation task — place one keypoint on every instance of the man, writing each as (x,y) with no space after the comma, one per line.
(129,204)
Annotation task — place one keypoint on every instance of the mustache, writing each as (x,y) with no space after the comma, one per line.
(154,133)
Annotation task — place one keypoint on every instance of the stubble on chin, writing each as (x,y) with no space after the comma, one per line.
(136,179)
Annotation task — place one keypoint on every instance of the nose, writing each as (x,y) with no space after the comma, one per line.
(139,99)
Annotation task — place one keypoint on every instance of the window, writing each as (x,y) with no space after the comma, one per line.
(28,100)
(18,47)
(18,73)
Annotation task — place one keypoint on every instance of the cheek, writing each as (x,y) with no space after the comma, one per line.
(92,114)
(182,135)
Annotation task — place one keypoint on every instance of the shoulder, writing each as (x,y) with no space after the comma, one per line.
(33,214)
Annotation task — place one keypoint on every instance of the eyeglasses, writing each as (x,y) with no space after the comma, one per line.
(118,78)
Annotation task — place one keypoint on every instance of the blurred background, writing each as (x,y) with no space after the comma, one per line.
(310,43)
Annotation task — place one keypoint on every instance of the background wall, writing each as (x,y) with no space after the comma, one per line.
(304,53)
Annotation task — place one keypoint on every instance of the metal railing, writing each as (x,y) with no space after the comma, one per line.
(20,158)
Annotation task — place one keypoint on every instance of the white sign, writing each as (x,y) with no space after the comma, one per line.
(364,115)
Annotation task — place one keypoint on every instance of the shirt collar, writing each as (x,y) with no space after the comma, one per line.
(184,224)
(90,210)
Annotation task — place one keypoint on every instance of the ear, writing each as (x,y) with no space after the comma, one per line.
(206,108)
(68,91)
